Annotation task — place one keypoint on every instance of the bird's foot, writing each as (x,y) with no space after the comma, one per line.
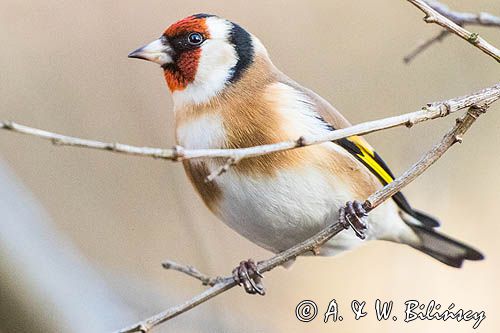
(248,275)
(353,215)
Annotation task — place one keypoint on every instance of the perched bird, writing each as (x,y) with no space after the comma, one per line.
(228,94)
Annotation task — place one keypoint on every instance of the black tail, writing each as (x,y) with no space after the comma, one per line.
(426,220)
(443,248)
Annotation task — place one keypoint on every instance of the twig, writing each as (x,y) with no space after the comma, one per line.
(434,16)
(432,111)
(64,140)
(228,283)
(425,45)
(193,272)
(462,18)
(315,242)
(453,136)
(223,169)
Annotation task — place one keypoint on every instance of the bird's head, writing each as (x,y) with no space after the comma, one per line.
(200,56)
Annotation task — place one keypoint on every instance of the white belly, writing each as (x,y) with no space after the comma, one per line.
(277,213)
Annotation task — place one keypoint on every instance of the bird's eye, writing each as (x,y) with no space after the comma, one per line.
(195,38)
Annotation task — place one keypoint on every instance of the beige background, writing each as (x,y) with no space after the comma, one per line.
(63,67)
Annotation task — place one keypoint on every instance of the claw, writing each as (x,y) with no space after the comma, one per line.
(236,277)
(353,215)
(247,281)
(350,208)
(248,275)
(358,206)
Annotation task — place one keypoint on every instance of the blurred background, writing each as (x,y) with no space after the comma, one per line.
(83,233)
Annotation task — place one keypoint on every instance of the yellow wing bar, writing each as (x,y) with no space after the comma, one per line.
(367,155)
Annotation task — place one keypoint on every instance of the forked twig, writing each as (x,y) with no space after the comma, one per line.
(453,22)
(192,272)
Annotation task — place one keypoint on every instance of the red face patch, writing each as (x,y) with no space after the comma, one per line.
(183,72)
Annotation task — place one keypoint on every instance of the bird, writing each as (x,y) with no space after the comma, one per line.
(227,93)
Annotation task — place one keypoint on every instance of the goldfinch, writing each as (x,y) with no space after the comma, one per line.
(228,94)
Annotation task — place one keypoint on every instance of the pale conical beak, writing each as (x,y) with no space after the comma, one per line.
(158,51)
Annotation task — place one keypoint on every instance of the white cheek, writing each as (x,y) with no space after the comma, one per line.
(216,61)
(214,69)
(218,57)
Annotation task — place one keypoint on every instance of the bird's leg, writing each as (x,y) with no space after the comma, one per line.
(248,275)
(354,215)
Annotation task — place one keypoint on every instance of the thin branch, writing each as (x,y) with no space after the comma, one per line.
(432,111)
(71,141)
(463,18)
(192,272)
(223,169)
(455,135)
(315,242)
(228,283)
(425,45)
(460,18)
(433,15)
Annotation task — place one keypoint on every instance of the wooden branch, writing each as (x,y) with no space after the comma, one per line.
(462,18)
(223,169)
(425,45)
(64,140)
(192,272)
(433,15)
(455,135)
(431,111)
(315,242)
(228,283)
